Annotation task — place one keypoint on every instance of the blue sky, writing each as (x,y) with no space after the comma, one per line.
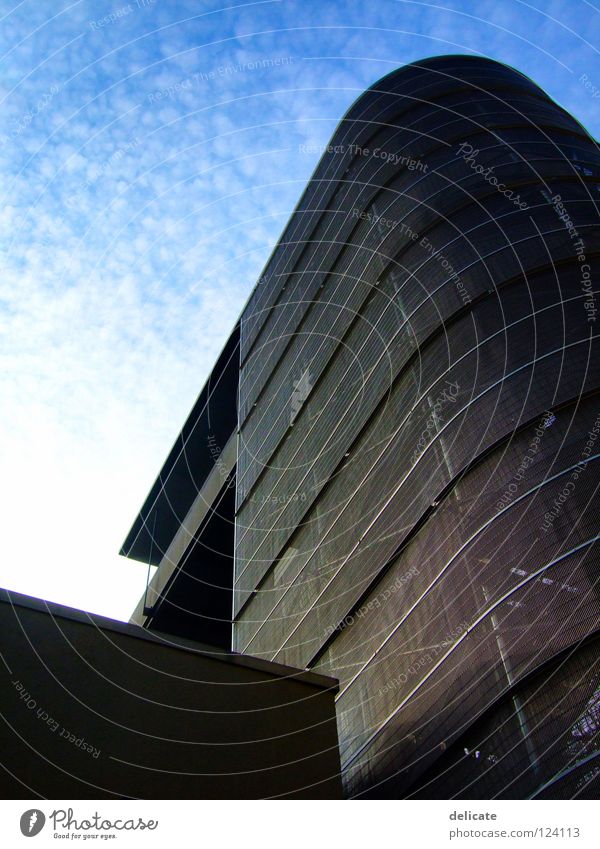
(150,155)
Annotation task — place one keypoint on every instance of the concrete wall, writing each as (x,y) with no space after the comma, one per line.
(94,708)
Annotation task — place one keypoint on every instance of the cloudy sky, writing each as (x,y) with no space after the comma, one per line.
(150,155)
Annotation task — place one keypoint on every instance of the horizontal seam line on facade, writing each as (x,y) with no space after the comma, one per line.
(441,221)
(378,577)
(335,168)
(444,219)
(501,145)
(390,263)
(457,553)
(416,104)
(347,557)
(472,627)
(406,366)
(442,326)
(470,467)
(550,665)
(298,318)
(397,489)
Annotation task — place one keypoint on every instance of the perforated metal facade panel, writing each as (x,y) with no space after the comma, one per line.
(419,415)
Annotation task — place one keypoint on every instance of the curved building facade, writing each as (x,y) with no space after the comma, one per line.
(417,468)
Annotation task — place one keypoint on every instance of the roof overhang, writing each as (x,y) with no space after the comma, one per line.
(194,455)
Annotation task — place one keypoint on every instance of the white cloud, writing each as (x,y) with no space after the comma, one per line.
(122,275)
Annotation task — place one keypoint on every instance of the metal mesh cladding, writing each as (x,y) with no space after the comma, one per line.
(559,708)
(417,507)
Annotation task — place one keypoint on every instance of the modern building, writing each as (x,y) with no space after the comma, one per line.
(391,476)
